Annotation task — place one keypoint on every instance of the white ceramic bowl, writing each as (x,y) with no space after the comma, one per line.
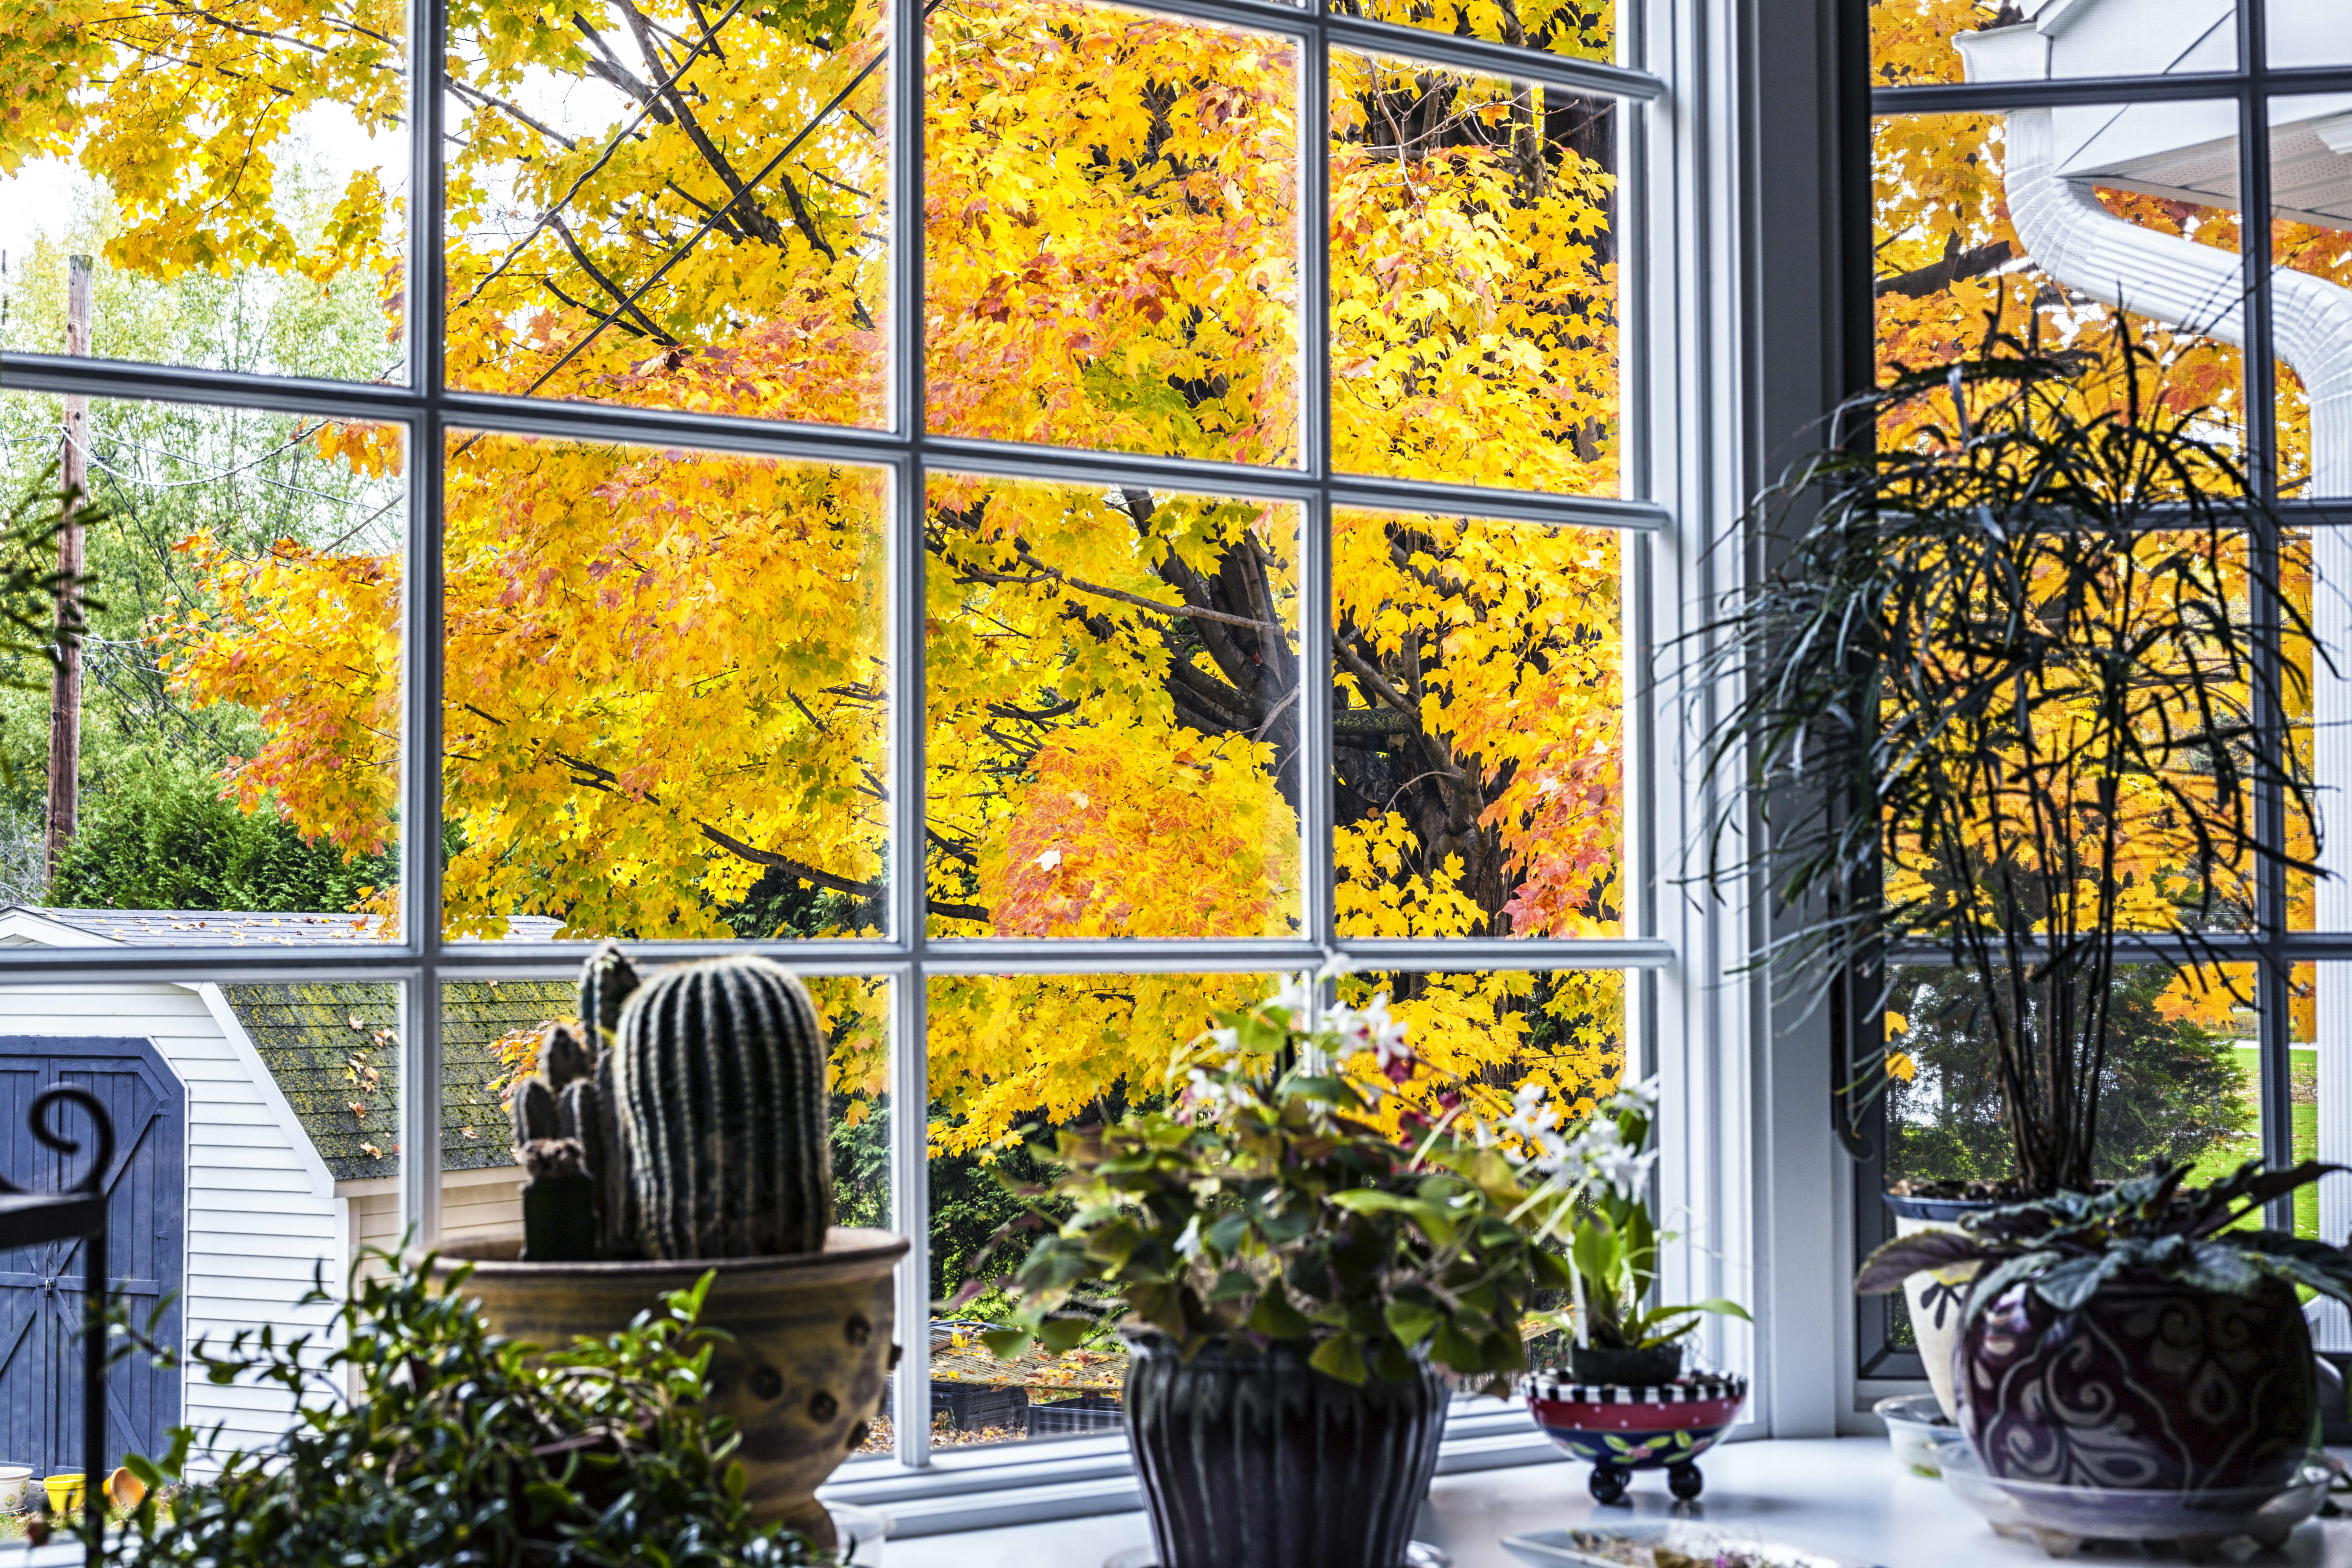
(862,1532)
(1915,1425)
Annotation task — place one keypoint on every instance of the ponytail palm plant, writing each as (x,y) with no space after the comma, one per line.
(2004,696)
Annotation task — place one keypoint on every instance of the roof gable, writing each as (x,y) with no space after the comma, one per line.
(332,1046)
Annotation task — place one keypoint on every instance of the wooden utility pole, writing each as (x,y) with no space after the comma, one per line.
(65,689)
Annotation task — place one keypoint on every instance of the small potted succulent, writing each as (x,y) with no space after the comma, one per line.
(1305,1241)
(2135,1340)
(1625,1404)
(683,1131)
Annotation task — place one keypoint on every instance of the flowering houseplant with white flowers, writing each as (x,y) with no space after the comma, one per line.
(1272,1201)
(1613,1241)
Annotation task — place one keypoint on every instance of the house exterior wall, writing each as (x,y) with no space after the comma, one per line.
(473,1204)
(261,1213)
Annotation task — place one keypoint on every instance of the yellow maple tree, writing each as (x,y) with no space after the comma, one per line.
(667,680)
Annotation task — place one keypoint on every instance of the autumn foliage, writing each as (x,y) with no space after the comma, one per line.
(668,681)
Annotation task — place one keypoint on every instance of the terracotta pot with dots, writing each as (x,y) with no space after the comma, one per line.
(803,1377)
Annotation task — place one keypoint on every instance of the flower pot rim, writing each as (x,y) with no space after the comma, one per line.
(1943,1209)
(848,1249)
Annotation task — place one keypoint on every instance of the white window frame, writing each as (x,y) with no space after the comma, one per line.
(1702,375)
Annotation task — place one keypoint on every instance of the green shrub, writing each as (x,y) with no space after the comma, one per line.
(156,835)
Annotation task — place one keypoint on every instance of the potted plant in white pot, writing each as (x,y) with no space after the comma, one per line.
(689,1136)
(1299,1260)
(2139,1339)
(2002,704)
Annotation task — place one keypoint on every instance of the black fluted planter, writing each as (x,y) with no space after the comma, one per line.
(1255,1459)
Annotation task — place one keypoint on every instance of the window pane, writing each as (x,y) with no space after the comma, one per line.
(2308,32)
(1973,208)
(1917,41)
(1474,278)
(645,210)
(237,175)
(1577,29)
(1112,239)
(1103,763)
(1479,727)
(2179,1081)
(666,691)
(1013,1059)
(238,709)
(2311,280)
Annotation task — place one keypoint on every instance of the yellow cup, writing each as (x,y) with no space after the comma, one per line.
(65,1491)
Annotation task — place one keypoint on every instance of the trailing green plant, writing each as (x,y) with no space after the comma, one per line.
(1276,1199)
(421,1440)
(695,1123)
(2063,1247)
(2004,693)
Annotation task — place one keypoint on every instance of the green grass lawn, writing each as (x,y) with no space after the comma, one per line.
(2225,1158)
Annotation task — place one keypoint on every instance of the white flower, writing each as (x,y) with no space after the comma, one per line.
(1535,1123)
(1642,1097)
(1189,1244)
(1296,997)
(1227,1043)
(1202,1091)
(1607,1158)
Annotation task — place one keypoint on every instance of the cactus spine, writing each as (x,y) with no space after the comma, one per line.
(719,1072)
(694,1122)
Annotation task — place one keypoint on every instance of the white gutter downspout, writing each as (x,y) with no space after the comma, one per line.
(2074,239)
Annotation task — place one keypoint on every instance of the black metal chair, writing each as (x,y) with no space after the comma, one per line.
(34,1219)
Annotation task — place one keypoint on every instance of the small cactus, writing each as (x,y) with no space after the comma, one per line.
(692,1122)
(720,1073)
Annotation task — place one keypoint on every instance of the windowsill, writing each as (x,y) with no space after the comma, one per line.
(996,1486)
(1842,1496)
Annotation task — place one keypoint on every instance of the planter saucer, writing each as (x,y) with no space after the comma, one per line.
(1630,1546)
(2062,1518)
(1417,1554)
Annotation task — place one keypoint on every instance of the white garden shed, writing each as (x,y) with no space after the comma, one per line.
(257,1146)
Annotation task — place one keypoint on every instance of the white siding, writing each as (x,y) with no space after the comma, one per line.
(473,1204)
(260,1215)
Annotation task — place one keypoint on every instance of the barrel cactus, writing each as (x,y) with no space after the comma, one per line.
(693,1123)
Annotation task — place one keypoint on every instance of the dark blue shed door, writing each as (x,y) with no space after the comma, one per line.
(41,1286)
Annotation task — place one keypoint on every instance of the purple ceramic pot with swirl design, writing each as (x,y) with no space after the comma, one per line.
(2148,1385)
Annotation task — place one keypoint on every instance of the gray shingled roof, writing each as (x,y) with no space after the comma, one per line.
(331,1045)
(222,928)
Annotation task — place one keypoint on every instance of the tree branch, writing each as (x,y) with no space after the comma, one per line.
(1937,276)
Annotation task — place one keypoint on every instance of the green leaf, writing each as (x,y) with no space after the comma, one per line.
(1411,1324)
(1886,1268)
(1234,1285)
(1989,1283)
(1340,1356)
(140,1464)
(1277,1318)
(1062,1336)
(1005,1344)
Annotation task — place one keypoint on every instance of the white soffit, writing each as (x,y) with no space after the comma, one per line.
(2184,152)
